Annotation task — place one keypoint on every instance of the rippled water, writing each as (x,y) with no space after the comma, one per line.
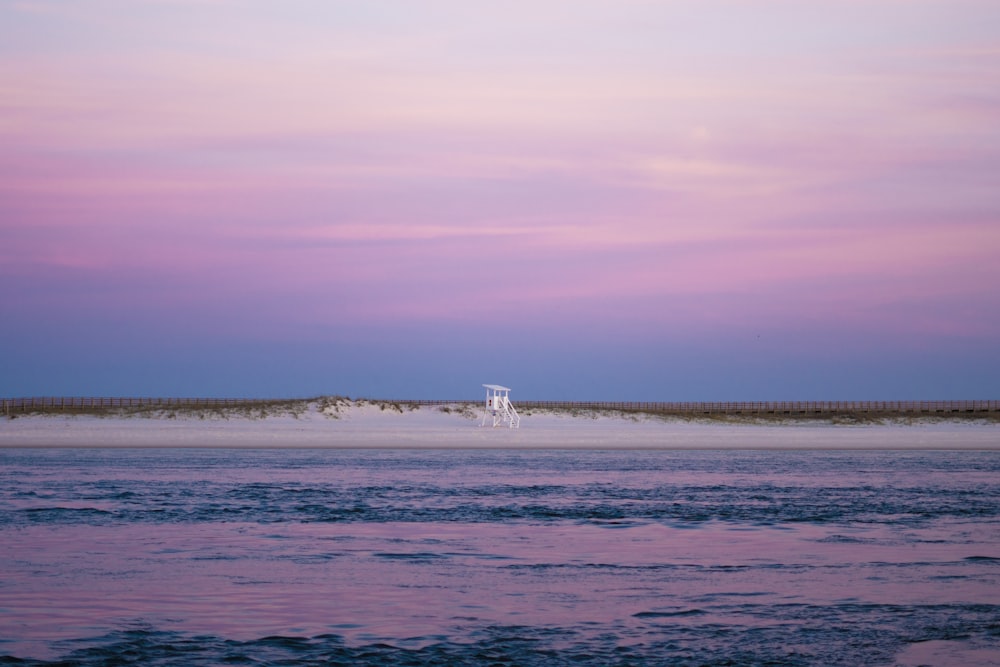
(176,557)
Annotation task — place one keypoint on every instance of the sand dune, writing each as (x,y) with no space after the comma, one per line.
(371,425)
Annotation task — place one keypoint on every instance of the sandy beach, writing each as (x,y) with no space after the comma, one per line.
(370,425)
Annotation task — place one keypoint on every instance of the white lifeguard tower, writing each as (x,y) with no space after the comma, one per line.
(498,407)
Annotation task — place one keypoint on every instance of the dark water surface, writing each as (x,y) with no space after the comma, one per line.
(178,557)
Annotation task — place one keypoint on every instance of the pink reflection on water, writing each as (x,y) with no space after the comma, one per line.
(418,581)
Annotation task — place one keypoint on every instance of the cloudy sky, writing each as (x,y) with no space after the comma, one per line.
(580,199)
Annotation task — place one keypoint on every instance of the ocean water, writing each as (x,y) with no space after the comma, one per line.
(452,557)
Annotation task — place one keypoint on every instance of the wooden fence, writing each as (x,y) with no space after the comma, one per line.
(9,406)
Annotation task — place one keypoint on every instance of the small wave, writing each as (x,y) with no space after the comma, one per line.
(773,634)
(416,556)
(847,539)
(68,513)
(669,614)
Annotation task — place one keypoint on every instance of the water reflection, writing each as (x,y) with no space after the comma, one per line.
(586,554)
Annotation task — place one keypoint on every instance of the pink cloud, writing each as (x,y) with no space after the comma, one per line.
(385,176)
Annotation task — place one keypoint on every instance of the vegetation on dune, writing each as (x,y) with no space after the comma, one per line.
(195,408)
(335,407)
(466,410)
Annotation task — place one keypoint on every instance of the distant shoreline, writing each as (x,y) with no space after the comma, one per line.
(834,412)
(365,424)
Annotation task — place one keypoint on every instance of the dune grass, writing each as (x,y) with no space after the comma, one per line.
(248,409)
(335,407)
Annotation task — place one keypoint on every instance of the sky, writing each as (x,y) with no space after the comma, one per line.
(579,199)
